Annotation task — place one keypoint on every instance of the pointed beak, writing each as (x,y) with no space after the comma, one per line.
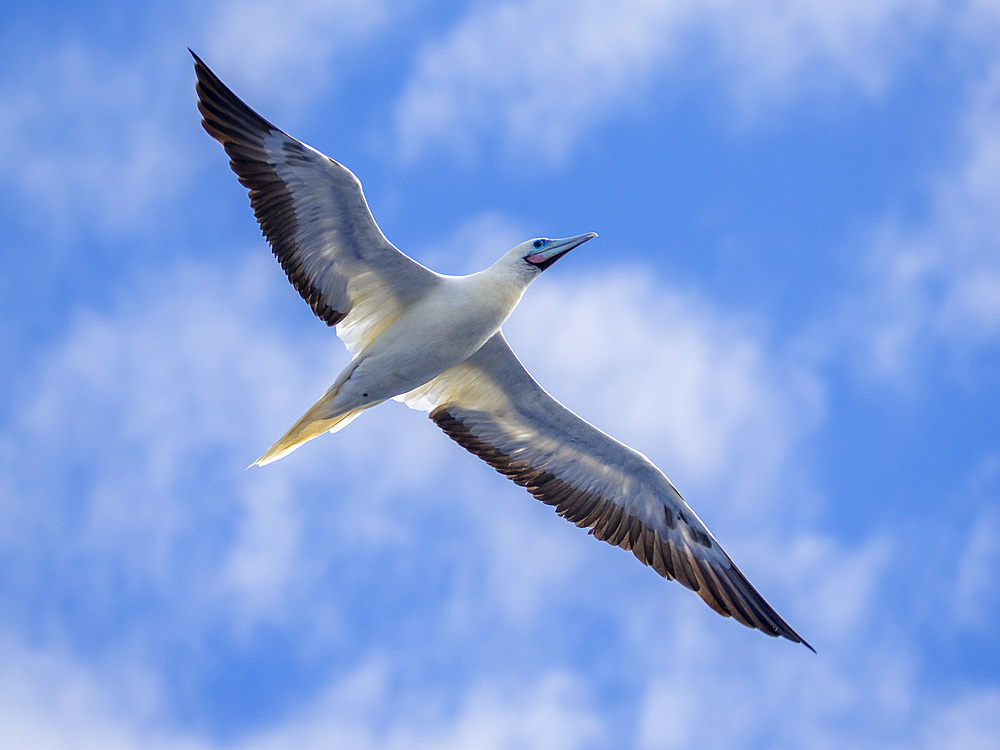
(557,249)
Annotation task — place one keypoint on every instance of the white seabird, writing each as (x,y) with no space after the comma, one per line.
(434,342)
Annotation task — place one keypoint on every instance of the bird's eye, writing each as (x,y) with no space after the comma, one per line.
(538,243)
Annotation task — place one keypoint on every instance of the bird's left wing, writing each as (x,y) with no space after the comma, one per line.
(491,406)
(314,214)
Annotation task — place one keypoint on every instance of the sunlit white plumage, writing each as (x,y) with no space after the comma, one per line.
(434,342)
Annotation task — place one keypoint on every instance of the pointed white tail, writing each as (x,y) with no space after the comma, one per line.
(305,430)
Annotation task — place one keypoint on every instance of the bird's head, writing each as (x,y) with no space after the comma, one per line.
(522,264)
(541,253)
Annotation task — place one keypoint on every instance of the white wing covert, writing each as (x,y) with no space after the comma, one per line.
(313,213)
(491,406)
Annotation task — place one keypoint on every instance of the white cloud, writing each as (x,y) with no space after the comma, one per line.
(525,558)
(146,406)
(475,244)
(443,607)
(977,580)
(49,700)
(934,287)
(146,416)
(128,452)
(865,691)
(132,438)
(974,604)
(89,139)
(777,50)
(265,46)
(837,586)
(538,74)
(534,71)
(190,373)
(704,393)
(971,721)
(687,692)
(94,137)
(551,712)
(266,557)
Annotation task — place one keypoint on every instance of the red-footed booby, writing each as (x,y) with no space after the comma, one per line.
(434,342)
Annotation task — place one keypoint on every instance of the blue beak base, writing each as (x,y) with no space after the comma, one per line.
(555,249)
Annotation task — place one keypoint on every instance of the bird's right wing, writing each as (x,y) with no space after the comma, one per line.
(491,406)
(314,215)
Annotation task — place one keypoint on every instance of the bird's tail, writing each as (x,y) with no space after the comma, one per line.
(319,419)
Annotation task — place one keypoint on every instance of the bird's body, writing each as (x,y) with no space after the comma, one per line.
(435,342)
(444,327)
(446,324)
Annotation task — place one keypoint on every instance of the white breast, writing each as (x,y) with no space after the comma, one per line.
(434,334)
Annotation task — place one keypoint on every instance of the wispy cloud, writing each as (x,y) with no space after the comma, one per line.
(704,392)
(537,74)
(154,408)
(977,551)
(148,405)
(99,139)
(933,287)
(969,721)
(49,700)
(131,439)
(88,139)
(280,52)
(554,711)
(382,587)
(771,53)
(474,244)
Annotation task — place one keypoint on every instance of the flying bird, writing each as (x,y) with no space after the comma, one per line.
(435,342)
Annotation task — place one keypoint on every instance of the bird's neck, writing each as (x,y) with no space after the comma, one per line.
(493,293)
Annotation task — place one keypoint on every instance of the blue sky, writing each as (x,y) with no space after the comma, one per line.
(793,308)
